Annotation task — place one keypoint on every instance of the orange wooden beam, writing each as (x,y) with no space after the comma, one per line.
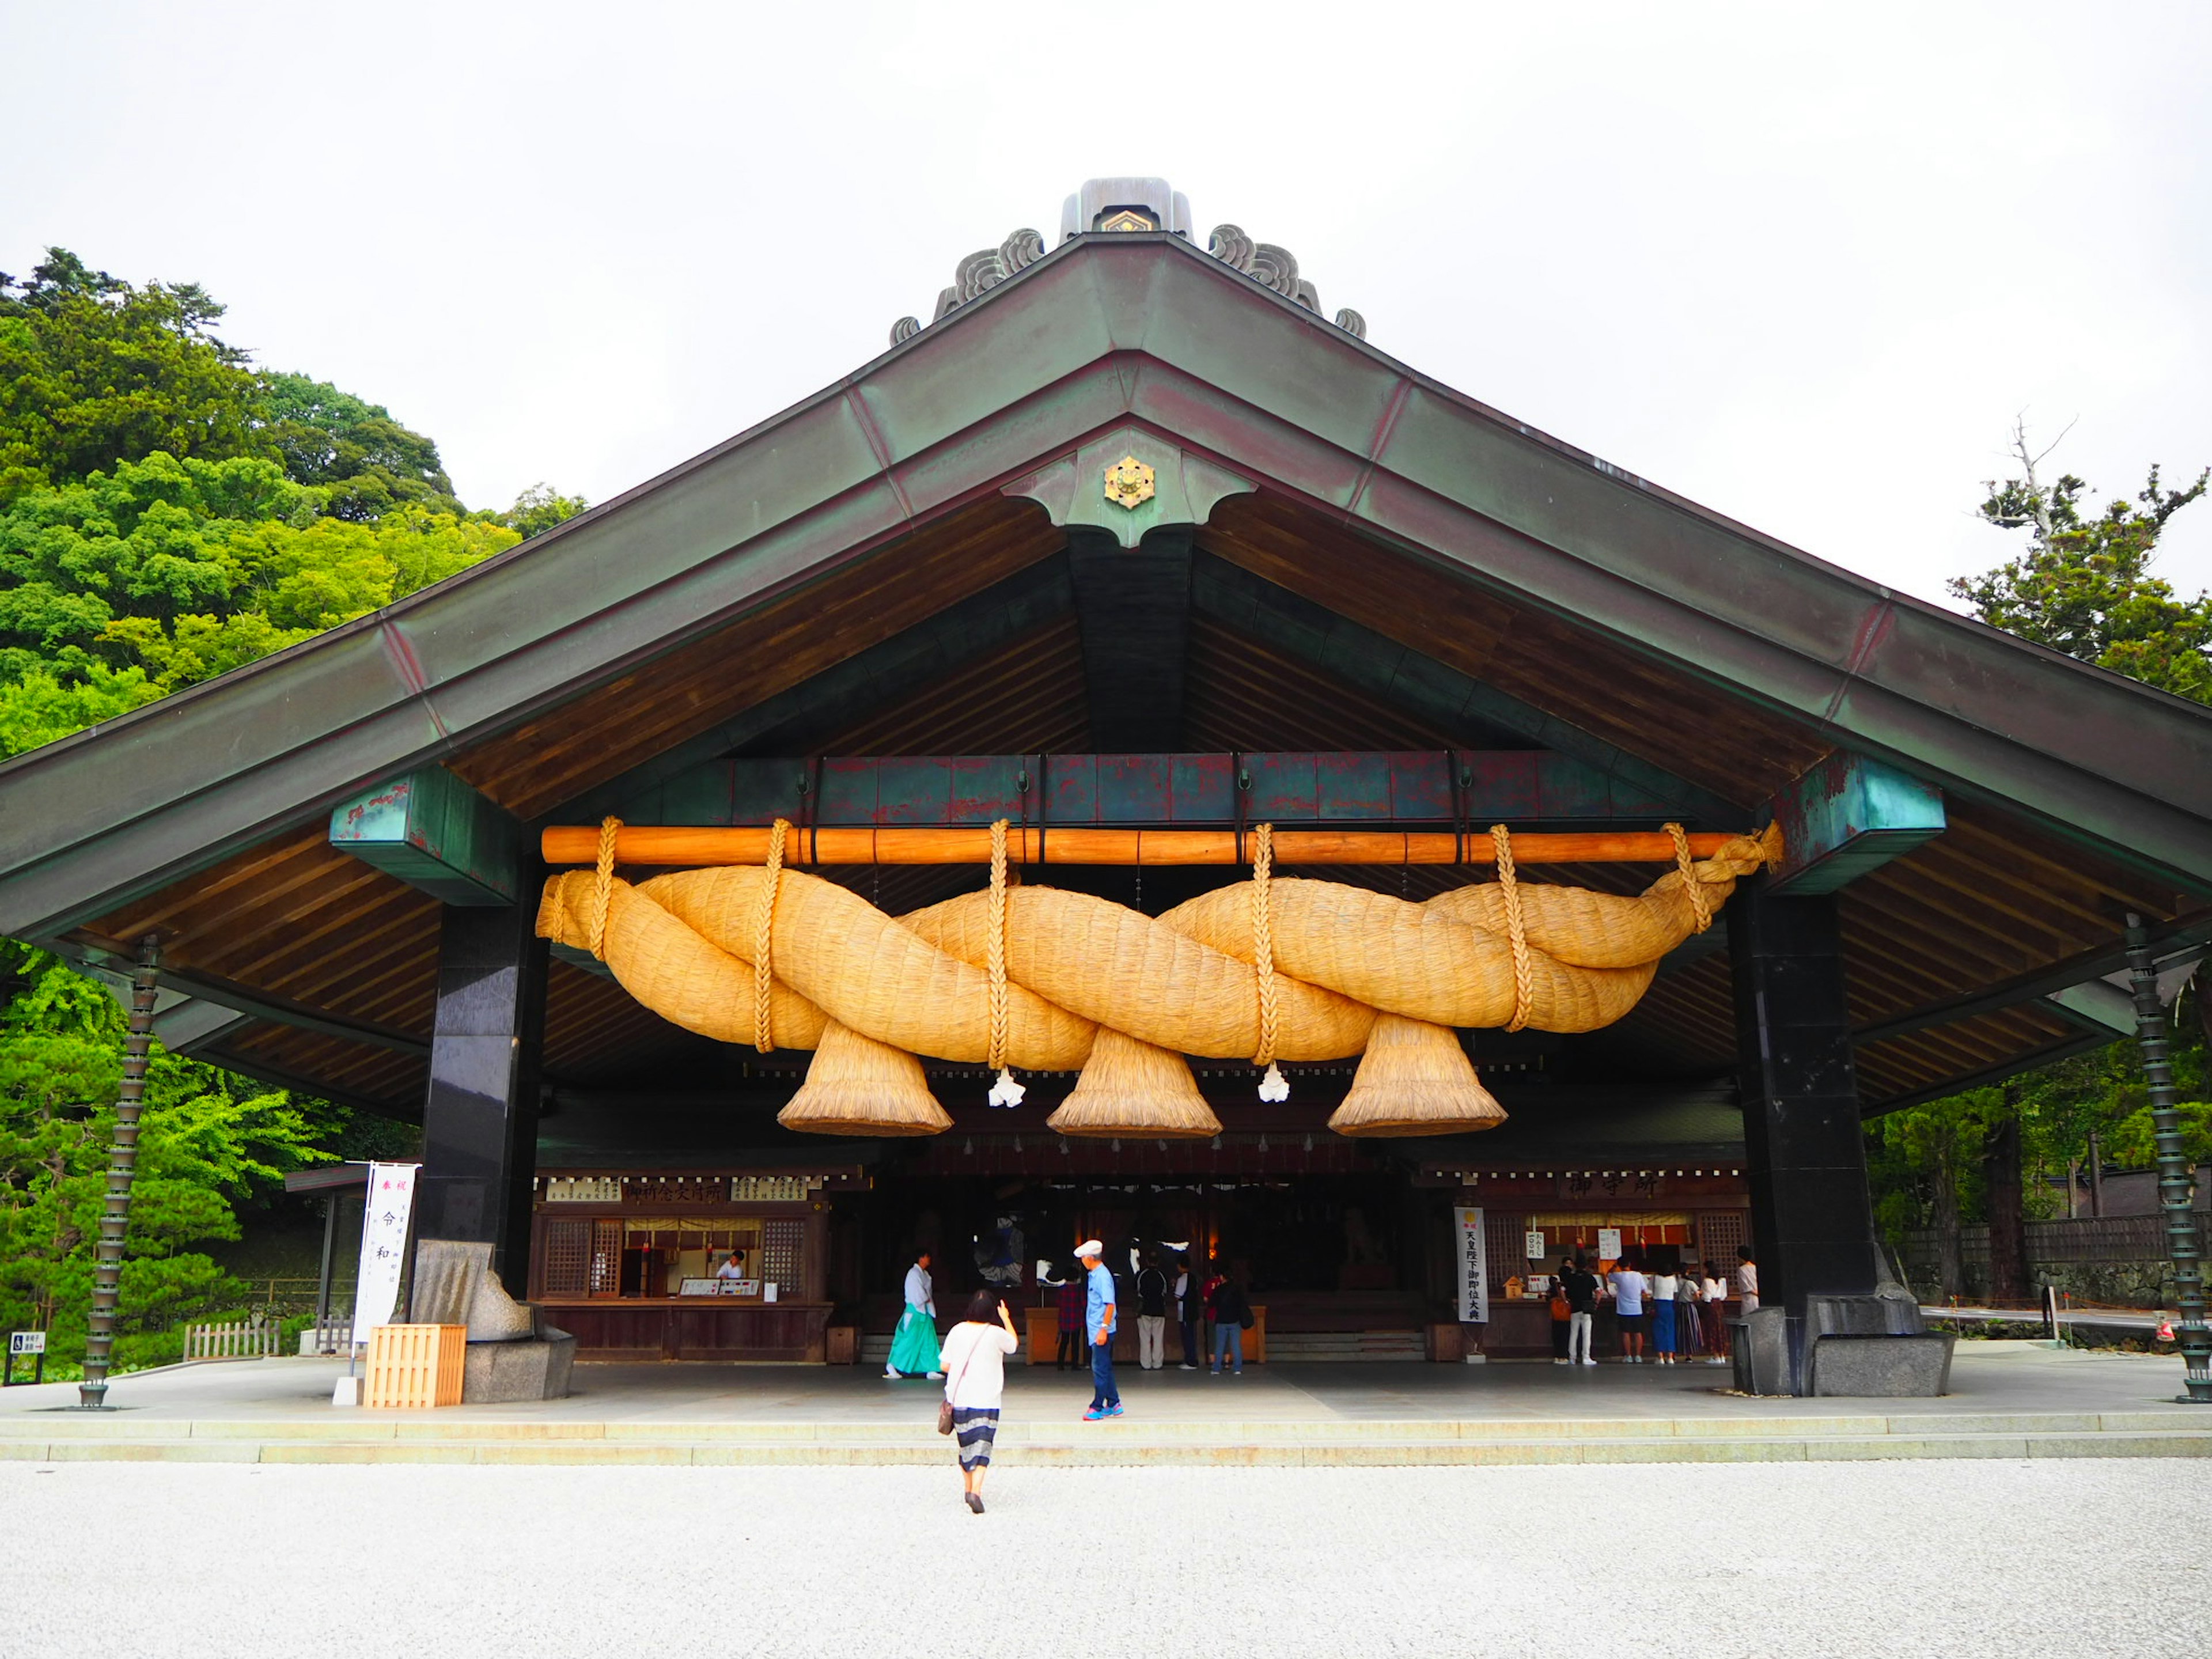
(675,845)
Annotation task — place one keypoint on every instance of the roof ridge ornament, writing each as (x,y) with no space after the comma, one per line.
(1119,206)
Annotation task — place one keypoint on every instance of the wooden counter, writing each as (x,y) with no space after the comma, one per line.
(693,1328)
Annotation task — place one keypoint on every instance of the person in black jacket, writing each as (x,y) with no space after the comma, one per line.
(1232,1316)
(1580,1285)
(1151,1314)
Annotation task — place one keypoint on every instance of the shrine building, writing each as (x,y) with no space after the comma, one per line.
(1133,760)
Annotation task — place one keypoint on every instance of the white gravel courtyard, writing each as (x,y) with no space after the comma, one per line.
(2100,1557)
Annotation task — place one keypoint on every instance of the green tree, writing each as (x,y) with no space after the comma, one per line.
(208,1142)
(41,707)
(540,507)
(366,463)
(184,569)
(2084,584)
(94,371)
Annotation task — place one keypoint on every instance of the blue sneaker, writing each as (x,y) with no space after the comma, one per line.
(1094,1415)
(1113,1410)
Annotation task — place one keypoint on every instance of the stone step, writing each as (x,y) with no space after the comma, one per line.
(927,1448)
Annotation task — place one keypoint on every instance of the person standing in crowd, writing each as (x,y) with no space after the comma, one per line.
(1747,1281)
(1686,1312)
(1714,1309)
(1629,1287)
(1190,1309)
(913,1349)
(1580,1285)
(975,1386)
(1662,1288)
(1099,1313)
(1151,1314)
(1232,1316)
(1561,1313)
(1069,1353)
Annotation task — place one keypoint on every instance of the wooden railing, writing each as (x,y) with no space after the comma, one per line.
(236,1339)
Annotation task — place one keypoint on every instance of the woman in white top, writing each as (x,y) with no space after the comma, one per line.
(913,1344)
(1713,1309)
(975,1383)
(1747,1281)
(1662,1288)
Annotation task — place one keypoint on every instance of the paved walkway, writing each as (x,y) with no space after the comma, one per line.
(1841,1561)
(2010,1399)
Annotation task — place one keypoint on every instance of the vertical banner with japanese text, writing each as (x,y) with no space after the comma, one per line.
(1473,1267)
(383,1245)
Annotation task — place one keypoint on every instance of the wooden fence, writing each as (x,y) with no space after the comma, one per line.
(236,1339)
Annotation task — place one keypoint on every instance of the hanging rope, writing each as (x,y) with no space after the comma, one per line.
(1273,1086)
(1509,889)
(1004,1091)
(1701,906)
(764,941)
(602,881)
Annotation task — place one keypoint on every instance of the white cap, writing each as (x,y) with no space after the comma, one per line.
(1090,1247)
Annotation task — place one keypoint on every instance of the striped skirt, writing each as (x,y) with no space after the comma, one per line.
(975,1427)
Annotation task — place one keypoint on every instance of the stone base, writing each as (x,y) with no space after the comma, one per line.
(1761,1351)
(1880,1367)
(501,1373)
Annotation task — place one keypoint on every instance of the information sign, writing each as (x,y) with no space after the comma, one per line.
(1608,1244)
(1473,1267)
(382,1246)
(1532,1247)
(24,1342)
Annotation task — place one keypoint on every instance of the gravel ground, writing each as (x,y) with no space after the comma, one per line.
(1831,1560)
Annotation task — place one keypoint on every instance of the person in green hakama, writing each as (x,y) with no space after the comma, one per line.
(913,1348)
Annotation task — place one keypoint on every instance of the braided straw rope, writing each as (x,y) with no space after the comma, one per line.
(1687,867)
(1516,927)
(764,940)
(1507,953)
(1263,942)
(602,881)
(994,961)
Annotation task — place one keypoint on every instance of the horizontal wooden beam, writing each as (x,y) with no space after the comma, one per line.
(1847,816)
(437,834)
(1431,785)
(668,845)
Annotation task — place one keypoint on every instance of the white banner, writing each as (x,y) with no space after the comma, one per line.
(383,1245)
(1473,1267)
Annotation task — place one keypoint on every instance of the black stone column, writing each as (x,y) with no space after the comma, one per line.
(480,1120)
(1812,1218)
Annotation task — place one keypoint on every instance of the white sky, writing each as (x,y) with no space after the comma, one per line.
(1803,265)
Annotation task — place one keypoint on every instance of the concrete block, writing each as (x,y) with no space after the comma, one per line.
(1762,1351)
(1880,1367)
(501,1373)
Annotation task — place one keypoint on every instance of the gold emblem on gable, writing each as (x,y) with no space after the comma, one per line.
(1128,483)
(1127,218)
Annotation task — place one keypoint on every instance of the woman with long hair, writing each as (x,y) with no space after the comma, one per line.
(974,1360)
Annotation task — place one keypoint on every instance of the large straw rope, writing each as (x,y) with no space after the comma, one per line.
(1263,942)
(1685,865)
(687,943)
(1516,927)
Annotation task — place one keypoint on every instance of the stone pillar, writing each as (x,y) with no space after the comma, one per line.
(1812,1218)
(480,1119)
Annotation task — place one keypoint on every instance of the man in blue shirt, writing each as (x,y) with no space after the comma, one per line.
(1098,1321)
